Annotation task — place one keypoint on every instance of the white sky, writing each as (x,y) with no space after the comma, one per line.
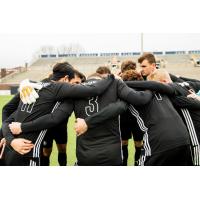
(16,49)
(99,26)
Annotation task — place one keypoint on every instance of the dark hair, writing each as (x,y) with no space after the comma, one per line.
(61,70)
(147,56)
(103,70)
(127,65)
(94,75)
(47,79)
(80,75)
(131,75)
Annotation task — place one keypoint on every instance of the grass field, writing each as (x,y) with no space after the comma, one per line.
(71,146)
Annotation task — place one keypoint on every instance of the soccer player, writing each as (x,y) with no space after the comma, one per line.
(27,146)
(59,132)
(148,65)
(128,123)
(7,110)
(61,138)
(166,140)
(188,109)
(127,66)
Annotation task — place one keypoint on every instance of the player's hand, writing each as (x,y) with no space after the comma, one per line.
(2,142)
(2,146)
(15,128)
(194,96)
(80,126)
(27,91)
(22,146)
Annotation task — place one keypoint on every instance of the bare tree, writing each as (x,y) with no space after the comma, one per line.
(63,49)
(76,48)
(71,48)
(47,49)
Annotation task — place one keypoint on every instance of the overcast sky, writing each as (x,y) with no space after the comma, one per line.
(97,25)
(19,48)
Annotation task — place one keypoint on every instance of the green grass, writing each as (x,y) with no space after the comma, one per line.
(3,100)
(71,156)
(71,145)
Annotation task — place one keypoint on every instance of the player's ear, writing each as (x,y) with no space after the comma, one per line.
(154,65)
(164,80)
(66,78)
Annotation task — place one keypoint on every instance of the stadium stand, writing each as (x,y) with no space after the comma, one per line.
(175,62)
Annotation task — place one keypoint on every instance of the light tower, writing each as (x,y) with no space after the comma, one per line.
(141,39)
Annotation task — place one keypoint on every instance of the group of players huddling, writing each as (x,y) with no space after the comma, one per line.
(160,111)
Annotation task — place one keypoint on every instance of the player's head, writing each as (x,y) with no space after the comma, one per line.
(147,63)
(95,76)
(78,77)
(63,72)
(49,78)
(131,75)
(104,71)
(160,75)
(127,65)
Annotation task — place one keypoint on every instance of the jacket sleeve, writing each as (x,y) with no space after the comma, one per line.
(185,102)
(176,79)
(132,96)
(195,85)
(5,129)
(189,79)
(83,90)
(49,120)
(10,107)
(152,85)
(110,111)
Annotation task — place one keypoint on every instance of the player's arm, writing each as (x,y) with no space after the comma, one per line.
(10,107)
(46,121)
(5,128)
(189,79)
(152,85)
(176,79)
(83,90)
(185,102)
(195,85)
(108,112)
(20,145)
(132,96)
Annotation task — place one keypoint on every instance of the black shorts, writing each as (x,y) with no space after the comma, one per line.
(129,127)
(59,135)
(126,132)
(129,132)
(179,156)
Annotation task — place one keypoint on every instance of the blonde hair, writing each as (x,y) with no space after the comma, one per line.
(160,75)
